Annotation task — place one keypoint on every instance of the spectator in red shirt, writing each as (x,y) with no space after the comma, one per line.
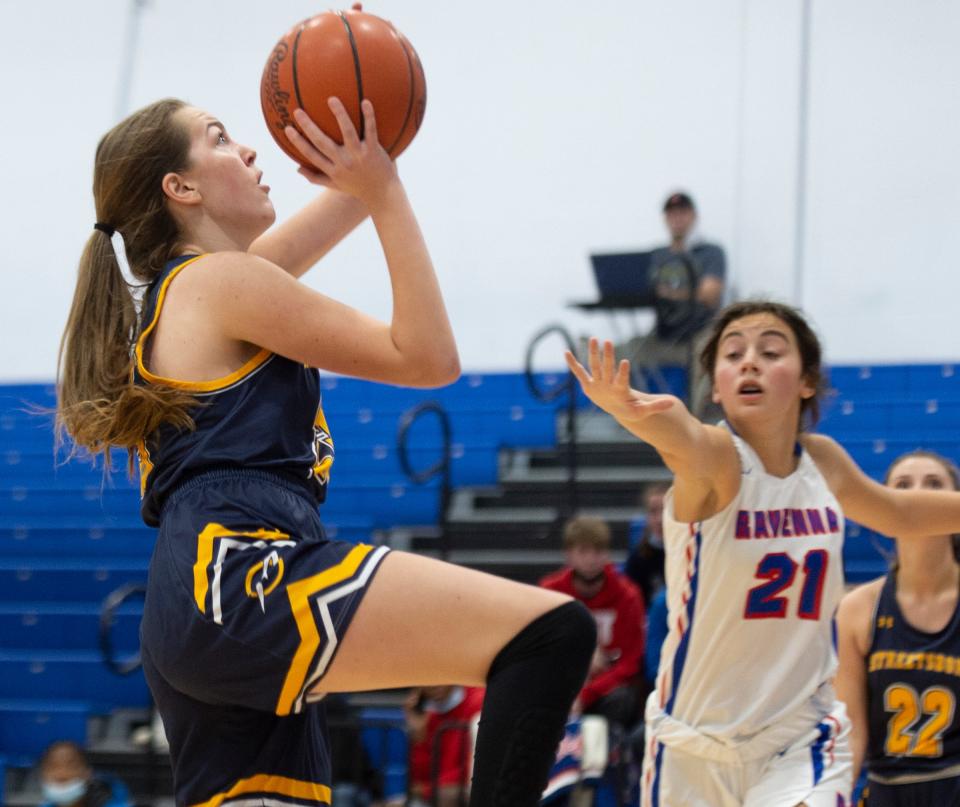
(428,710)
(616,604)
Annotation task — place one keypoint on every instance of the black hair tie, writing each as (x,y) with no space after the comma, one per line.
(105,228)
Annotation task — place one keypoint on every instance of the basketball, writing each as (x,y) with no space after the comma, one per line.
(351,55)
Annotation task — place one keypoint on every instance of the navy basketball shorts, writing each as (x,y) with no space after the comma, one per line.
(246,604)
(916,794)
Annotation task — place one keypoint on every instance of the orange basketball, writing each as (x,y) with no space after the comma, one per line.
(351,55)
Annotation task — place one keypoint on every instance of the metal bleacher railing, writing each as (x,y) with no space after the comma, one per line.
(441,468)
(568,387)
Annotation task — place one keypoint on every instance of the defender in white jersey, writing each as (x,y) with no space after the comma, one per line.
(744,712)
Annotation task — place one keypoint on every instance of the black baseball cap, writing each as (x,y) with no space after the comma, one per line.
(677,201)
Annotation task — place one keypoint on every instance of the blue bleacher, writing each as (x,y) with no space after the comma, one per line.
(878,413)
(62,625)
(384,737)
(29,725)
(69,674)
(53,579)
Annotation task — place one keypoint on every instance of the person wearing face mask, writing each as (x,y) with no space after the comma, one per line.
(441,723)
(899,644)
(617,606)
(67,780)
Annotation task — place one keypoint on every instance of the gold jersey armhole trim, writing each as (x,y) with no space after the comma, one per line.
(176,383)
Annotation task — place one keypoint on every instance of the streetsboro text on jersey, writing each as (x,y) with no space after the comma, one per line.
(902,660)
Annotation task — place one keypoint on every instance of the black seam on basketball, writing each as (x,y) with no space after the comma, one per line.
(293,65)
(410,94)
(356,67)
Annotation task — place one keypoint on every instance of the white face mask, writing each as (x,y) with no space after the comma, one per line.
(65,793)
(452,701)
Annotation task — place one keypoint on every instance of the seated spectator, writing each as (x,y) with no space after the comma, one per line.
(68,780)
(616,604)
(440,757)
(688,278)
(644,565)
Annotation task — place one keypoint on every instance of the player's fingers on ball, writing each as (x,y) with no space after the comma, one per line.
(319,139)
(350,137)
(369,120)
(307,149)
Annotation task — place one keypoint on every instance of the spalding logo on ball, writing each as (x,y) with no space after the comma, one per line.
(351,55)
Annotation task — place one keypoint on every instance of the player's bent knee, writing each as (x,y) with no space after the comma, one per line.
(565,636)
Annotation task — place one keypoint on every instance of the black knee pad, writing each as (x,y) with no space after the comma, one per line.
(567,635)
(531,684)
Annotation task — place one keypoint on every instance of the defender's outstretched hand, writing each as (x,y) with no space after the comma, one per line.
(607,384)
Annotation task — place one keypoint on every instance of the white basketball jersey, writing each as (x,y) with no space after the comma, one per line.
(752,593)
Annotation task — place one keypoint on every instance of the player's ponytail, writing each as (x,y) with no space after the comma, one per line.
(98,404)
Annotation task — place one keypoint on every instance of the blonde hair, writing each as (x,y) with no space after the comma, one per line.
(586,531)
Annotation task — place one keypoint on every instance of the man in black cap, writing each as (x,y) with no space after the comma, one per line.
(688,280)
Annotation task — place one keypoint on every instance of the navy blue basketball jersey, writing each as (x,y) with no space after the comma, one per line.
(913,687)
(266,415)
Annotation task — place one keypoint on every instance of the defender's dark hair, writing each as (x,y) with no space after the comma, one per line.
(811,354)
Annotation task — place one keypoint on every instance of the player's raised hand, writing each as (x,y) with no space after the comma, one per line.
(607,384)
(359,167)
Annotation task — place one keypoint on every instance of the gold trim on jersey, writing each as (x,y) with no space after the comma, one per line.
(280,785)
(914,778)
(300,593)
(190,386)
(205,541)
(146,466)
(322,439)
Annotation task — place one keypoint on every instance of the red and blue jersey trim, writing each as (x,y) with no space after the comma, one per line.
(685,623)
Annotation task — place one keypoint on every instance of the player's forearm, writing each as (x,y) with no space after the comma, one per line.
(910,513)
(303,239)
(679,438)
(419,327)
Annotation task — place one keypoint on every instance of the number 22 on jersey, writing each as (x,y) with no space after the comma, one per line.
(907,706)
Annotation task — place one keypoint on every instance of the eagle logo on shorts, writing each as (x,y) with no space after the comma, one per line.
(270,573)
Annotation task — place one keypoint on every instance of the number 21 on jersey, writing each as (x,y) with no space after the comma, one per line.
(779,570)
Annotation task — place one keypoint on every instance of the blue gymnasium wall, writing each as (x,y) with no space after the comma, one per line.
(67,539)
